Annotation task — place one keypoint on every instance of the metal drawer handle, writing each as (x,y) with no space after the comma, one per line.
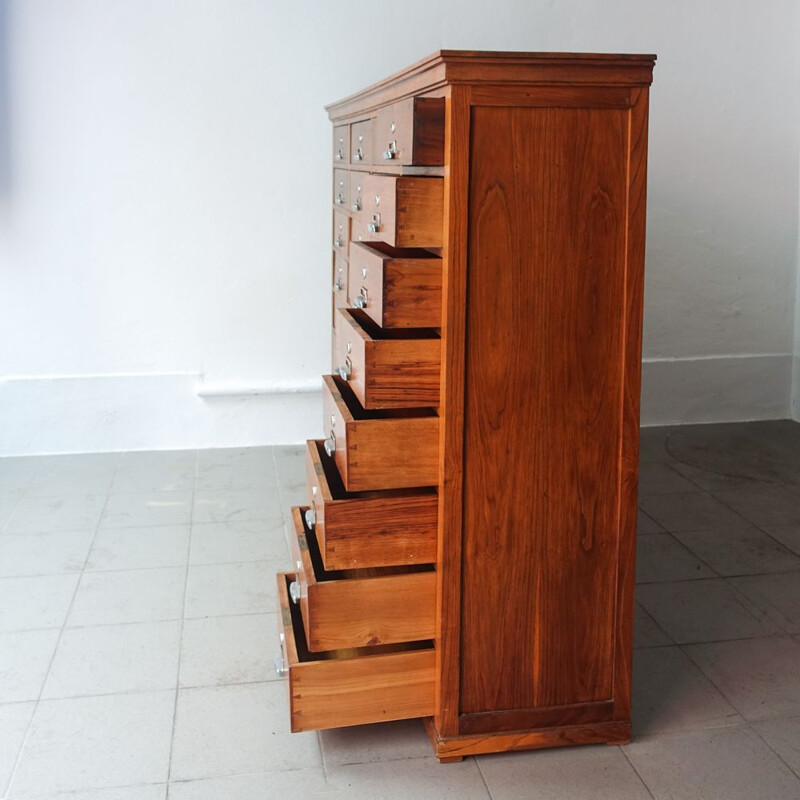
(374,227)
(330,445)
(339,155)
(294,592)
(340,199)
(391,151)
(358,155)
(311,517)
(357,205)
(361,299)
(338,241)
(337,284)
(345,371)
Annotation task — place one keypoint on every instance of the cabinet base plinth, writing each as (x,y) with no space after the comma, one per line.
(454,748)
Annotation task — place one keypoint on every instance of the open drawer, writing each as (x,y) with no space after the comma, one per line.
(363,607)
(351,687)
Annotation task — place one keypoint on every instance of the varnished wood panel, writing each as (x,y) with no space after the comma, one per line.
(361,142)
(388,368)
(396,288)
(368,529)
(341,187)
(544,380)
(410,132)
(352,687)
(341,233)
(341,144)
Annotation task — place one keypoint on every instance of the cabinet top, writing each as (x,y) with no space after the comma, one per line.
(448,67)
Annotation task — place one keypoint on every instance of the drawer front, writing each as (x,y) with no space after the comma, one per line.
(357,191)
(360,608)
(377,529)
(410,132)
(361,142)
(379,449)
(341,233)
(396,289)
(340,280)
(354,687)
(341,144)
(401,211)
(387,368)
(341,188)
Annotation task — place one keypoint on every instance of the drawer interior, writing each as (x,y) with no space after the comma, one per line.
(399,252)
(358,412)
(376,332)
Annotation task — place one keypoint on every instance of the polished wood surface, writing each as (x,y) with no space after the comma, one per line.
(361,142)
(368,529)
(386,449)
(407,210)
(401,288)
(351,687)
(388,368)
(341,144)
(363,607)
(410,132)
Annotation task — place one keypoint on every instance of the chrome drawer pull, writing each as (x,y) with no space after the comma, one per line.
(391,151)
(346,371)
(358,155)
(373,227)
(339,155)
(357,206)
(338,241)
(337,284)
(310,517)
(294,592)
(281,667)
(330,445)
(340,199)
(361,300)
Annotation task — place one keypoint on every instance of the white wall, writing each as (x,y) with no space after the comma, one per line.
(164,184)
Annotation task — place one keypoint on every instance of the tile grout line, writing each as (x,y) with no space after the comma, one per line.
(483,777)
(771,748)
(63,627)
(636,772)
(181,628)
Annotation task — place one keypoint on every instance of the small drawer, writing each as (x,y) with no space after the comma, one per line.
(341,144)
(373,450)
(351,687)
(367,529)
(361,142)
(357,191)
(401,211)
(387,367)
(361,607)
(410,132)
(396,288)
(340,280)
(341,233)
(341,188)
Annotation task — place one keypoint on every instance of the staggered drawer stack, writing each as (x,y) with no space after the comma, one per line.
(358,614)
(467,549)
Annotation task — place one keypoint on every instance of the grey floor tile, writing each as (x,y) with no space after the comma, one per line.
(96,742)
(719,480)
(661,478)
(653,444)
(220,589)
(290,462)
(739,550)
(245,456)
(776,595)
(759,677)
(14,720)
(787,535)
(238,505)
(783,736)
(224,650)
(141,479)
(108,659)
(58,483)
(571,773)
(261,786)
(721,764)
(24,660)
(9,500)
(387,741)
(39,602)
(149,508)
(775,505)
(16,473)
(250,733)
(60,513)
(140,548)
(702,611)
(401,780)
(239,471)
(141,595)
(149,791)
(228,542)
(688,511)
(44,553)
(646,525)
(670,693)
(646,631)
(294,495)
(661,558)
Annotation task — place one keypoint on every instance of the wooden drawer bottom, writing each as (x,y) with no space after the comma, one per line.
(351,687)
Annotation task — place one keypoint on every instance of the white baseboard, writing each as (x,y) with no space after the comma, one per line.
(80,414)
(723,389)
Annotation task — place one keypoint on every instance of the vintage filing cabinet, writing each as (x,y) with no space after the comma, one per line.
(467,551)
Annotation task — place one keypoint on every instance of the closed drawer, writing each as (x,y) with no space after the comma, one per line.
(352,687)
(410,132)
(386,367)
(388,449)
(396,288)
(401,211)
(357,191)
(361,142)
(361,607)
(340,280)
(341,233)
(367,529)
(341,188)
(341,144)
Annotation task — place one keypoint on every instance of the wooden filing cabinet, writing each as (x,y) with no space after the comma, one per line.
(467,551)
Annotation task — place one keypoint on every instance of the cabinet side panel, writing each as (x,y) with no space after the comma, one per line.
(544,379)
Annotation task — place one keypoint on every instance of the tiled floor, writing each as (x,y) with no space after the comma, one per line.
(137,630)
